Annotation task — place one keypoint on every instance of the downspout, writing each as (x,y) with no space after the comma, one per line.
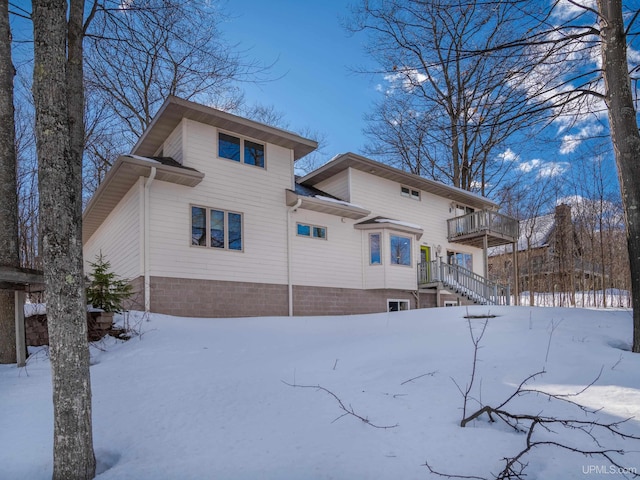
(290,256)
(147,241)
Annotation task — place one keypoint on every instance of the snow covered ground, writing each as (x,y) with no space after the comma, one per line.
(206,398)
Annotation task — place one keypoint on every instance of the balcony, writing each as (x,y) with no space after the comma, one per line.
(476,228)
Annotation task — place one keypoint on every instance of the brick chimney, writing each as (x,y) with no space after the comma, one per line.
(564,246)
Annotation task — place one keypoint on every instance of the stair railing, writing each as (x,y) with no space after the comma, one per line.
(464,282)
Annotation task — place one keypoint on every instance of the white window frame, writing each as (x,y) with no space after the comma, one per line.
(411,193)
(399,301)
(380,249)
(451,303)
(312,231)
(207,227)
(242,149)
(410,238)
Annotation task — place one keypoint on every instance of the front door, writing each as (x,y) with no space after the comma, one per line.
(425,258)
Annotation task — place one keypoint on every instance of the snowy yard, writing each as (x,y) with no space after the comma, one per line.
(206,398)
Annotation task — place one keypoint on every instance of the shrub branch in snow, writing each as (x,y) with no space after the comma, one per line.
(347,410)
(475,339)
(585,437)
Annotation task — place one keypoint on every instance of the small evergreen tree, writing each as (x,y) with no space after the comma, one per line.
(106,290)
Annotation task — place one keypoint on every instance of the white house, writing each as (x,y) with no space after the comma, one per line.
(206,218)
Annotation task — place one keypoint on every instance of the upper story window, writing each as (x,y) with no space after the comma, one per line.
(240,150)
(312,231)
(216,228)
(409,192)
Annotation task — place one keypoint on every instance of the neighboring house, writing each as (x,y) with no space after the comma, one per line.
(207,219)
(550,256)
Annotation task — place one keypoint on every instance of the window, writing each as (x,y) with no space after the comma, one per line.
(253,153)
(312,231)
(374,249)
(228,147)
(410,192)
(464,260)
(397,305)
(450,303)
(400,250)
(216,228)
(240,150)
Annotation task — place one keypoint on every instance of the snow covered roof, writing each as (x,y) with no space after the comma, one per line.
(311,198)
(535,232)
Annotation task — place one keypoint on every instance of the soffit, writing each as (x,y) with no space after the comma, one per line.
(175,109)
(124,173)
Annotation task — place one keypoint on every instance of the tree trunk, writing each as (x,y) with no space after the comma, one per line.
(625,138)
(60,184)
(9,250)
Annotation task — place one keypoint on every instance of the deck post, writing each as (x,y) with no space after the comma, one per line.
(21,348)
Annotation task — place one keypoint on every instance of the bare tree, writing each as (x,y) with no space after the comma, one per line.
(566,37)
(624,134)
(9,251)
(445,112)
(138,54)
(58,97)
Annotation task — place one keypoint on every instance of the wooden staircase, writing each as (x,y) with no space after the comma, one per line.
(463,282)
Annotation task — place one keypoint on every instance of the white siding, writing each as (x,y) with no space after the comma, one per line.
(173,144)
(118,238)
(431,212)
(257,193)
(338,186)
(332,262)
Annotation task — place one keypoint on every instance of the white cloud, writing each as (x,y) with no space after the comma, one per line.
(552,169)
(543,169)
(571,142)
(508,155)
(526,167)
(567,10)
(405,78)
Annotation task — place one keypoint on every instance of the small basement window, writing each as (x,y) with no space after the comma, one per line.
(397,305)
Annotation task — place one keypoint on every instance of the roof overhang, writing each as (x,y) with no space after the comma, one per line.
(124,173)
(358,162)
(329,206)
(174,109)
(380,223)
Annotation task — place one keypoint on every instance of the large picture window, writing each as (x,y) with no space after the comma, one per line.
(215,228)
(400,250)
(240,150)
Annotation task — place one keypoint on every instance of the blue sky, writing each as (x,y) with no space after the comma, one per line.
(320,91)
(315,57)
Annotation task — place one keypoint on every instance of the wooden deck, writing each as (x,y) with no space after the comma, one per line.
(474,229)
